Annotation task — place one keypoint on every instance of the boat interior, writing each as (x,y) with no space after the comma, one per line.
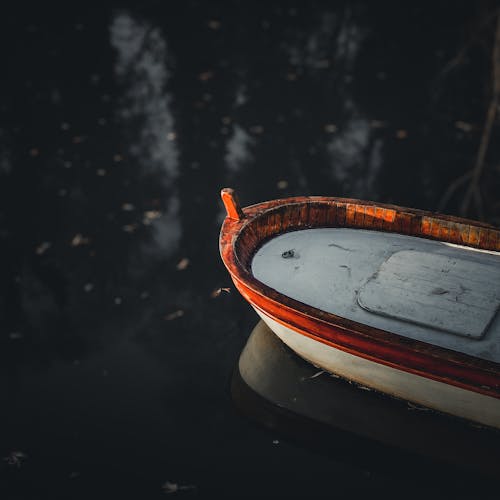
(433,291)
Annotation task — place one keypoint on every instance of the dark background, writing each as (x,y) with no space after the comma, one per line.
(118,127)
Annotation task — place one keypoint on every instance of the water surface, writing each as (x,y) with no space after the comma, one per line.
(118,128)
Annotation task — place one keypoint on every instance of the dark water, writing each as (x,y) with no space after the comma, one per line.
(118,128)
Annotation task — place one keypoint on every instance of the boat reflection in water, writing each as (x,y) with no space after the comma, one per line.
(280,390)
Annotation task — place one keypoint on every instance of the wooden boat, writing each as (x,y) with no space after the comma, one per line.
(395,299)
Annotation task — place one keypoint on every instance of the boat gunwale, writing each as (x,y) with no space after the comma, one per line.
(241,238)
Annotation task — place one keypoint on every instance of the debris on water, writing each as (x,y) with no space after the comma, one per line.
(170,487)
(476,426)
(149,216)
(130,228)
(276,441)
(117,158)
(171,136)
(43,247)
(205,76)
(364,388)
(15,458)
(183,264)
(464,126)
(127,207)
(282,184)
(289,254)
(174,315)
(213,24)
(401,134)
(118,300)
(330,128)
(439,291)
(78,240)
(217,292)
(34,152)
(101,172)
(413,407)
(315,375)
(88,287)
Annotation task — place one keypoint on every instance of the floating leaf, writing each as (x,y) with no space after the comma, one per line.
(43,247)
(183,264)
(15,458)
(78,240)
(174,315)
(216,293)
(206,75)
(170,487)
(330,128)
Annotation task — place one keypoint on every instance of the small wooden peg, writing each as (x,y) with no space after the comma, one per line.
(232,204)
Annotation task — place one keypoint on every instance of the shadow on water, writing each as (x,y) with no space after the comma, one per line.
(118,128)
(282,392)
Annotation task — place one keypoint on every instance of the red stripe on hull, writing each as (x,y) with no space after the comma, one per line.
(351,342)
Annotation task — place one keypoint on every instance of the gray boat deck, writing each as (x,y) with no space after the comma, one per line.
(427,290)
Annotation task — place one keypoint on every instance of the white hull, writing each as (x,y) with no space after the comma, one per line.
(430,393)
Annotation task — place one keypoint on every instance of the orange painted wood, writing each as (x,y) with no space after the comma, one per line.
(232,204)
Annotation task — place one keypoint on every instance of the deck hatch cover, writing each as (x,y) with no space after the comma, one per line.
(455,295)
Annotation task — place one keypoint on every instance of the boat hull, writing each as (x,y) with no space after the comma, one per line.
(417,389)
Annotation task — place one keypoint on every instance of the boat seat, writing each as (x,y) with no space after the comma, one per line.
(451,294)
